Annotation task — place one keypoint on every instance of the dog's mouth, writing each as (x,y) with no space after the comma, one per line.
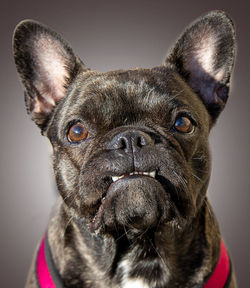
(157,196)
(113,180)
(135,173)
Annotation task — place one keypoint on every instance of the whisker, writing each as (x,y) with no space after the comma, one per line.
(198,178)
(209,210)
(175,95)
(66,226)
(157,252)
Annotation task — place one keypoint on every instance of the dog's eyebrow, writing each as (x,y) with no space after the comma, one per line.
(177,94)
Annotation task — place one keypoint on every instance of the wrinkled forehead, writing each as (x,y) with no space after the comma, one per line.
(122,96)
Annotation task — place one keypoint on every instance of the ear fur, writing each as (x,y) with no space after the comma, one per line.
(46,64)
(204,56)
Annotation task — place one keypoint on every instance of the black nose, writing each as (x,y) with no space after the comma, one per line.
(131,141)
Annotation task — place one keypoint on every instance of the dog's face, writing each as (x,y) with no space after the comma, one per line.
(130,150)
(130,147)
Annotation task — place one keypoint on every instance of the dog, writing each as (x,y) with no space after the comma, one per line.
(131,161)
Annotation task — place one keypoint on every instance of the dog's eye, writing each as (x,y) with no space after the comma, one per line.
(78,133)
(184,125)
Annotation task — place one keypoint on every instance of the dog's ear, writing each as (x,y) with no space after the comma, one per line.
(204,56)
(47,66)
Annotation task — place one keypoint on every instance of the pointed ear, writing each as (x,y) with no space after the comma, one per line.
(204,56)
(47,66)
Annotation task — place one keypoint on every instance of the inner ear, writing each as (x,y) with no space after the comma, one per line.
(51,66)
(47,65)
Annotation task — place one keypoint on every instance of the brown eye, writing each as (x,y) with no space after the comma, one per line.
(78,133)
(184,125)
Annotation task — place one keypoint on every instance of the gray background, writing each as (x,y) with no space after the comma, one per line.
(110,35)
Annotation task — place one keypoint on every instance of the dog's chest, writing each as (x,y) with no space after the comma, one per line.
(138,283)
(126,280)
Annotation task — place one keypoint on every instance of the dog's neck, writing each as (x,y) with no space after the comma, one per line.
(107,262)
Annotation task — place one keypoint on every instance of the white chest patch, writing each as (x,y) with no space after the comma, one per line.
(127,282)
(135,283)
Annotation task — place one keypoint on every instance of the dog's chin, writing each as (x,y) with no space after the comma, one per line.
(135,204)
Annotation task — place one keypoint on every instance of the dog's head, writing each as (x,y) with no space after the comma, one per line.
(130,147)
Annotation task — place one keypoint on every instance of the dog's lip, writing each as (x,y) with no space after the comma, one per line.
(95,223)
(135,173)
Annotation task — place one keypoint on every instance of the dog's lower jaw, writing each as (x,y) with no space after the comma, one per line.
(163,259)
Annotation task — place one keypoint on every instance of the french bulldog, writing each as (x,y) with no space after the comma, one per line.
(131,160)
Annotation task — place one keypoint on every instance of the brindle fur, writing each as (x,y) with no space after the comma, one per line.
(164,229)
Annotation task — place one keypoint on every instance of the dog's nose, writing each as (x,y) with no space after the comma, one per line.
(131,141)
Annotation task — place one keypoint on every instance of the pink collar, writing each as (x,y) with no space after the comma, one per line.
(46,272)
(48,277)
(222,272)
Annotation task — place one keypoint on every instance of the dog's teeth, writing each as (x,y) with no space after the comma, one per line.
(152,174)
(114,178)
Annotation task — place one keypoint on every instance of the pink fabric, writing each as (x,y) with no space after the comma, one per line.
(221,272)
(43,275)
(217,280)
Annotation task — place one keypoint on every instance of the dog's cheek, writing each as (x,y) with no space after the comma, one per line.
(67,177)
(201,169)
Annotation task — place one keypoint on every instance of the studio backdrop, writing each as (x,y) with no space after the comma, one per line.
(110,35)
